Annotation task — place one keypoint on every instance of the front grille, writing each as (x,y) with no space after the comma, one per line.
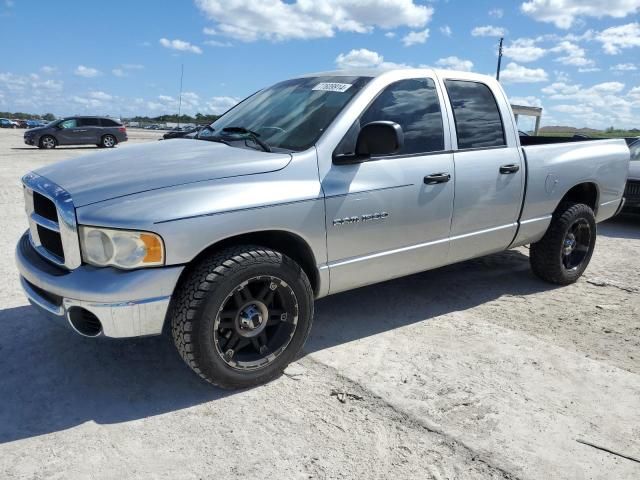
(51,241)
(632,190)
(52,221)
(45,207)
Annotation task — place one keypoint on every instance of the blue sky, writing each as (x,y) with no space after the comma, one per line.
(578,59)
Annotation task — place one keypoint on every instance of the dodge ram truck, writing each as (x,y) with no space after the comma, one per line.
(313,186)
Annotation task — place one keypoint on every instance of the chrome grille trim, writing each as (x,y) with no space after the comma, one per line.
(66,225)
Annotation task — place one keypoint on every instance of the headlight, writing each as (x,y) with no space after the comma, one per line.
(121,248)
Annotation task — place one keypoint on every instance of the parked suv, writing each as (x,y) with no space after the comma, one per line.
(103,132)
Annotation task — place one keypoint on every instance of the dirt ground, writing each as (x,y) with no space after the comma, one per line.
(472,371)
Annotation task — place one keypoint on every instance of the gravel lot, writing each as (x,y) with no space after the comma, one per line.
(476,370)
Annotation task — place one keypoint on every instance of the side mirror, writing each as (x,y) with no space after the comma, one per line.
(375,138)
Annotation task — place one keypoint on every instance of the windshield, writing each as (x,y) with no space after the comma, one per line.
(291,115)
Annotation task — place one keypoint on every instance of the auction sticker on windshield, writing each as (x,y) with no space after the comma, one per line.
(332,87)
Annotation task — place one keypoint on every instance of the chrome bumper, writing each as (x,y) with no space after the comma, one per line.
(127,303)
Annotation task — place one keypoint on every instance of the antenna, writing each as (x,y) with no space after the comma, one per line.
(499,59)
(180,97)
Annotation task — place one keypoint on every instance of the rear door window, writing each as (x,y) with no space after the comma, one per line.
(107,122)
(89,122)
(478,120)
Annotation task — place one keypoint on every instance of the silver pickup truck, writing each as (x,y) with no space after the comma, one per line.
(313,186)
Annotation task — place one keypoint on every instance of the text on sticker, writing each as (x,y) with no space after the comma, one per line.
(332,87)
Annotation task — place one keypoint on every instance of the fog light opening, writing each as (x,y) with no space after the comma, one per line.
(84,322)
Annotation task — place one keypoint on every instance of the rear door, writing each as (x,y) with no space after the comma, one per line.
(489,180)
(383,219)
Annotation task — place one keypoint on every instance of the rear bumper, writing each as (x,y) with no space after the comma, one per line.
(126,303)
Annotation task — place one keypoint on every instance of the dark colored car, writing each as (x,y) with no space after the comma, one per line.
(180,132)
(632,190)
(21,123)
(100,131)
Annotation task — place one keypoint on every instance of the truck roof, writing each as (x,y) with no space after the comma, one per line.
(383,72)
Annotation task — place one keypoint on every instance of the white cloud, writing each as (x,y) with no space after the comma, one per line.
(390,34)
(180,45)
(48,69)
(363,58)
(515,73)
(496,13)
(598,106)
(98,95)
(209,31)
(524,50)
(614,39)
(563,13)
(413,38)
(573,55)
(86,72)
(217,43)
(446,31)
(455,63)
(218,105)
(528,101)
(488,31)
(624,67)
(123,70)
(249,21)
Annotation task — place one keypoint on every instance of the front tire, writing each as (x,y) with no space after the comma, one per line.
(47,142)
(563,254)
(239,317)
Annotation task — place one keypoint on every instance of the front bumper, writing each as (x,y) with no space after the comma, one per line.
(29,140)
(128,303)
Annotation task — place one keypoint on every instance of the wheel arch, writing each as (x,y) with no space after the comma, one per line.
(283,241)
(584,192)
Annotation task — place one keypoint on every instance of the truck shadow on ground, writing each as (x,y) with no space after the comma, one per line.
(53,380)
(625,225)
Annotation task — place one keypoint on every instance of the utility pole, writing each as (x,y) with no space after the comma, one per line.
(180,97)
(499,59)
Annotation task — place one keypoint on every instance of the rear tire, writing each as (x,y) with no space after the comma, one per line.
(108,141)
(563,254)
(47,142)
(239,317)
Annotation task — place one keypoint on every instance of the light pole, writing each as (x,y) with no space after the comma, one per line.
(180,97)
(499,59)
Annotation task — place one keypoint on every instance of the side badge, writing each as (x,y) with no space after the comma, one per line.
(367,217)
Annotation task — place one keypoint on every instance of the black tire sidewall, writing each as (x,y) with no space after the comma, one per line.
(582,212)
(546,255)
(210,362)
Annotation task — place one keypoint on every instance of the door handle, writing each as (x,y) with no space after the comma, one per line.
(437,178)
(511,168)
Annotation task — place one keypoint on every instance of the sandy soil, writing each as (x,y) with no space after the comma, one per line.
(473,371)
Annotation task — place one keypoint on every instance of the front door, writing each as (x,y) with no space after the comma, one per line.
(391,215)
(71,133)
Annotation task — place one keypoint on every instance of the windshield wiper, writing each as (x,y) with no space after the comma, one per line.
(214,139)
(251,134)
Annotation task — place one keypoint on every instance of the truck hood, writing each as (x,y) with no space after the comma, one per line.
(137,168)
